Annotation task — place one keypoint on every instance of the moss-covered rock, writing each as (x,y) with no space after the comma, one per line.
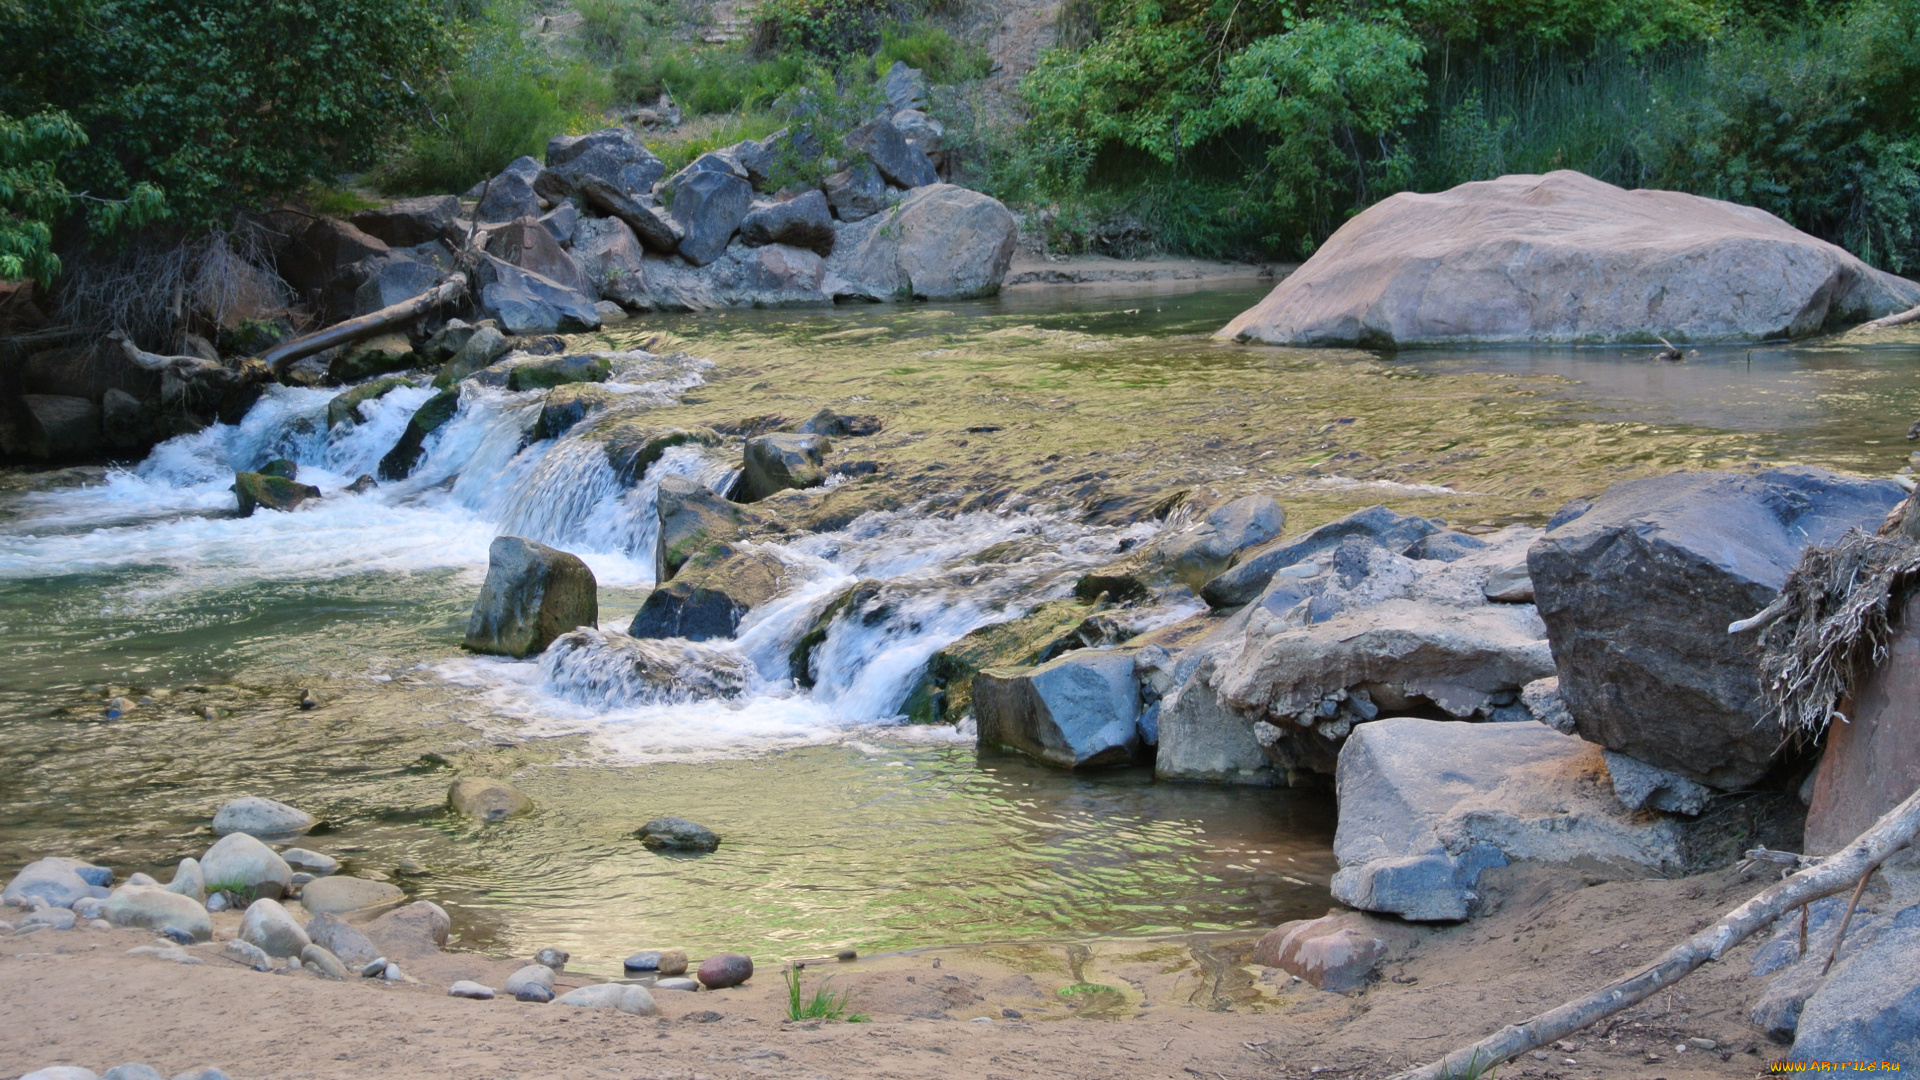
(282,467)
(693,519)
(800,657)
(547,372)
(633,440)
(374,356)
(255,490)
(481,348)
(345,408)
(780,461)
(568,404)
(426,420)
(713,591)
(944,693)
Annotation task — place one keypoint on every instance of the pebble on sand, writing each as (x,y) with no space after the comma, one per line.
(725,970)
(467,988)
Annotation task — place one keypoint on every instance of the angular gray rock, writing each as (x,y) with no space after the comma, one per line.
(941,242)
(1426,805)
(691,517)
(921,131)
(613,156)
(651,226)
(628,999)
(511,194)
(804,221)
(857,192)
(905,86)
(610,258)
(396,279)
(709,206)
(1252,572)
(775,275)
(418,929)
(241,864)
(562,221)
(532,594)
(709,595)
(1196,554)
(1869,1007)
(156,909)
(1542,699)
(780,461)
(1566,258)
(677,834)
(902,165)
(268,927)
(524,302)
(1078,711)
(1642,786)
(527,244)
(1638,591)
(260,817)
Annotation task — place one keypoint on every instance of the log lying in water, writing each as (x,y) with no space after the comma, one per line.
(1833,874)
(280,356)
(1898,318)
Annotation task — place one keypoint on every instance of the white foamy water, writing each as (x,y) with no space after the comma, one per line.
(929,580)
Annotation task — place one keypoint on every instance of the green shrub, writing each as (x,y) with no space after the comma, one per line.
(33,197)
(709,79)
(833,29)
(934,51)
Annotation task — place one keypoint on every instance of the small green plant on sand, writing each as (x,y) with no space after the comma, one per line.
(823,1005)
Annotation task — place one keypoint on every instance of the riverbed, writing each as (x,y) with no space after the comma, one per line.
(1024,438)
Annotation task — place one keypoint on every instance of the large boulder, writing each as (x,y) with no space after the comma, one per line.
(240,864)
(58,427)
(856,192)
(523,302)
(1872,762)
(611,260)
(905,86)
(780,461)
(418,929)
(709,206)
(942,242)
(1638,591)
(272,929)
(804,221)
(323,253)
(407,222)
(342,939)
(1869,1007)
(775,275)
(1426,805)
(1253,570)
(1079,711)
(713,590)
(651,225)
(613,156)
(512,193)
(903,165)
(533,594)
(426,420)
(392,280)
(1566,258)
(339,894)
(527,244)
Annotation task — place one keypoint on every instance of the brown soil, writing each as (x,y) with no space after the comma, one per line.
(1176,1007)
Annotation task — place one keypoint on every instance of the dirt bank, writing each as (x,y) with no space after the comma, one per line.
(1180,1007)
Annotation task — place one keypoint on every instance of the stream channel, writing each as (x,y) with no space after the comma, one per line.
(1006,420)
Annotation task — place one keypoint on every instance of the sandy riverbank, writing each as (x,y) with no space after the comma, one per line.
(1193,1006)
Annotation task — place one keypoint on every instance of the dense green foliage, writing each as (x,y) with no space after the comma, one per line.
(219,103)
(1257,126)
(33,198)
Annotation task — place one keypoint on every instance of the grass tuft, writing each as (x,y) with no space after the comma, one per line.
(823,1005)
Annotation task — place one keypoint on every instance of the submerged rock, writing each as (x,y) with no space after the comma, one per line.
(614,670)
(486,800)
(1079,711)
(263,818)
(677,834)
(1426,805)
(552,371)
(1566,258)
(345,409)
(780,461)
(1638,591)
(532,595)
(254,490)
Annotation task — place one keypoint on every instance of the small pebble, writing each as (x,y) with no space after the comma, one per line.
(1011,1014)
(217,902)
(176,935)
(847,956)
(116,709)
(1703,1044)
(307,700)
(704,1016)
(676,984)
(981,1020)
(374,968)
(207,712)
(467,988)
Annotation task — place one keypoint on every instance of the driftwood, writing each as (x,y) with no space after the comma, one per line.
(366,326)
(1831,875)
(1897,319)
(196,369)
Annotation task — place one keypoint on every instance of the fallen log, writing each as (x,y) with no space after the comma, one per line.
(180,367)
(343,333)
(1833,874)
(1899,318)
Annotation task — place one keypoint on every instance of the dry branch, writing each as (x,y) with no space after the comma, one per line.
(366,326)
(1897,319)
(1833,874)
(180,367)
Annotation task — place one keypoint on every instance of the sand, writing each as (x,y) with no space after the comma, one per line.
(1182,1007)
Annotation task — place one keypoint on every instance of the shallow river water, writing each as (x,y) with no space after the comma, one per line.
(843,827)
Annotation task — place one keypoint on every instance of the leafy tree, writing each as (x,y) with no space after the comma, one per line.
(33,199)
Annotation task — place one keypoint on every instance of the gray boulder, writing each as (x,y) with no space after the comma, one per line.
(942,242)
(189,882)
(1079,711)
(396,279)
(804,221)
(340,895)
(478,350)
(418,929)
(709,206)
(244,866)
(561,222)
(691,518)
(902,165)
(523,302)
(710,594)
(427,419)
(153,908)
(651,226)
(263,818)
(921,131)
(1642,786)
(775,275)
(531,983)
(780,461)
(55,881)
(1195,555)
(1253,571)
(511,194)
(613,156)
(627,999)
(611,260)
(1426,805)
(905,87)
(527,244)
(856,192)
(1869,1007)
(1638,591)
(58,426)
(268,927)
(533,594)
(1564,257)
(677,834)
(340,938)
